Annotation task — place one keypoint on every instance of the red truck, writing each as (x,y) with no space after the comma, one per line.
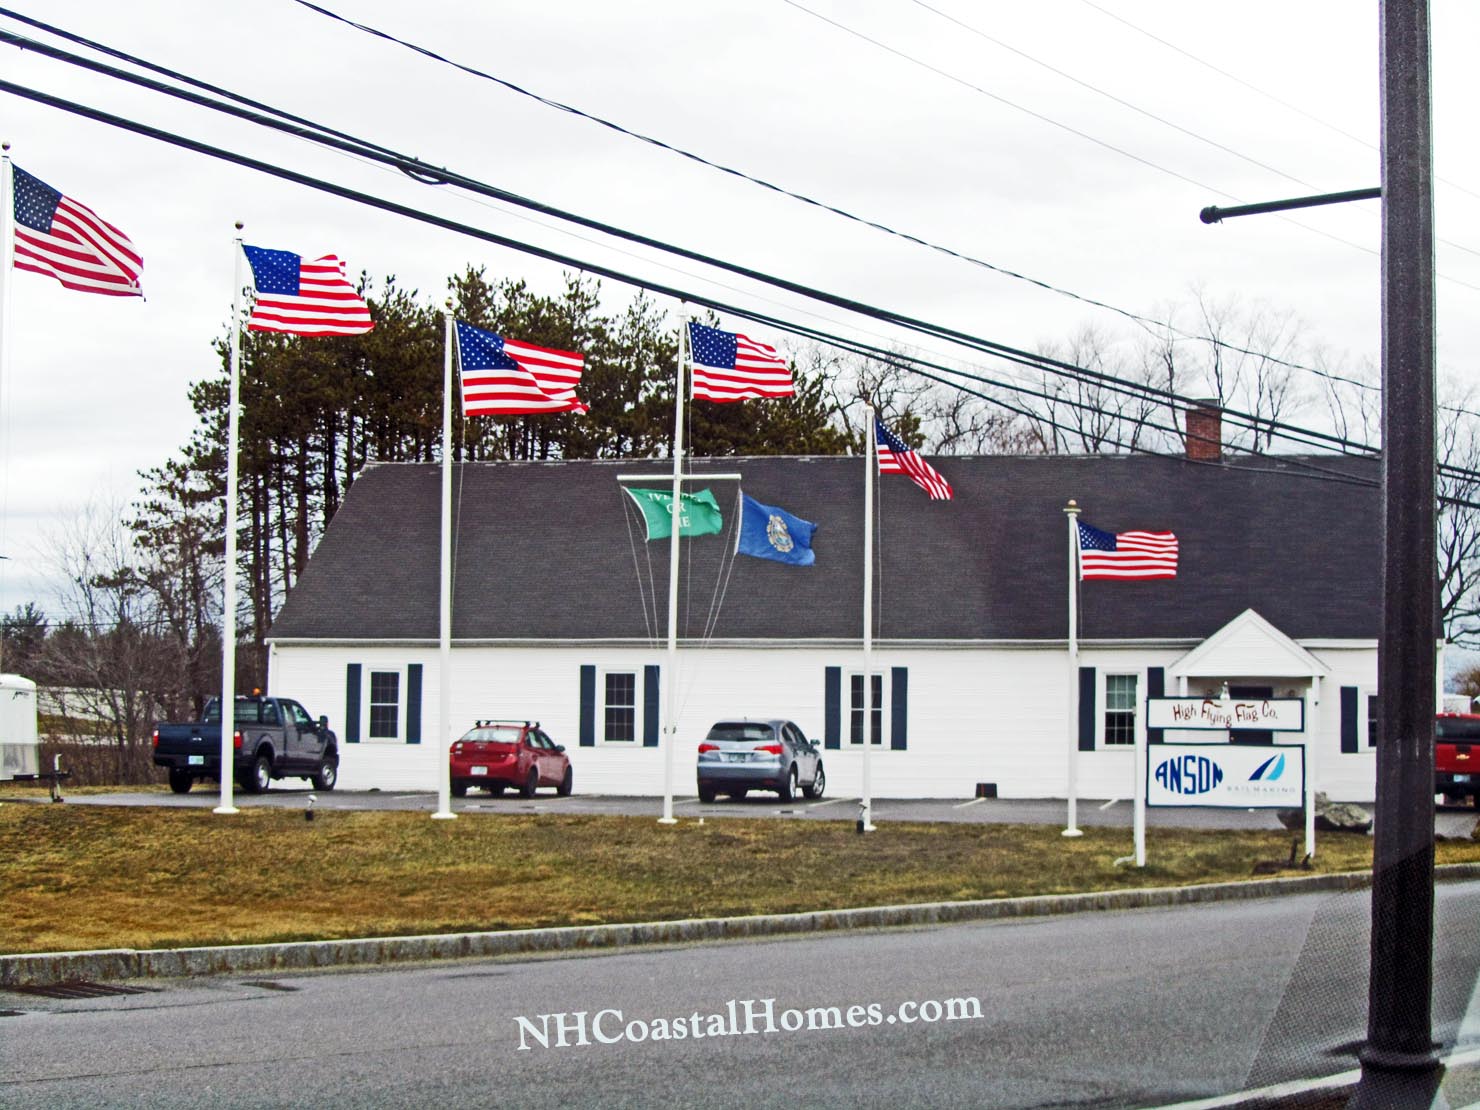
(1457,756)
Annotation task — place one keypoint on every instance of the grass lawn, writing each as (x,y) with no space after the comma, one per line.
(83,877)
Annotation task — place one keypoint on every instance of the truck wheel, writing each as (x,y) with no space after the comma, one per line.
(259,778)
(327,776)
(180,781)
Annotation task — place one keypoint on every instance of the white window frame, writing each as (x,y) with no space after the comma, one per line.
(1137,718)
(637,676)
(882,709)
(367,707)
(1367,718)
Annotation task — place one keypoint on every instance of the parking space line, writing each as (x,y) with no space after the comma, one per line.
(1111,802)
(828,802)
(684,801)
(973,802)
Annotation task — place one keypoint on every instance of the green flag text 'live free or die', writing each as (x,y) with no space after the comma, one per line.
(698,513)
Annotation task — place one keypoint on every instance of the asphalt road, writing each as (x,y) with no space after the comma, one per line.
(1138,1008)
(1454,821)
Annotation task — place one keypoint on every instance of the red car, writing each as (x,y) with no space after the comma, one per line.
(497,755)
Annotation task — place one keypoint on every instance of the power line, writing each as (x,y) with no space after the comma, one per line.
(1141,320)
(1274,428)
(1188,132)
(423,172)
(1254,88)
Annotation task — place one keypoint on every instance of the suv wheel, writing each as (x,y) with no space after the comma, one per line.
(789,790)
(819,784)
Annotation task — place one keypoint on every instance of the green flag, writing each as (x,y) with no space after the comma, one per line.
(698,513)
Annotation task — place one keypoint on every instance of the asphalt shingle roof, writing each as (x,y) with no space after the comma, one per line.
(548,551)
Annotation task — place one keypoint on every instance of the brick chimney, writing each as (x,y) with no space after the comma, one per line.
(1205,430)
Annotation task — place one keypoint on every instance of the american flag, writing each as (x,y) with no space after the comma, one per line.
(304,298)
(1126,554)
(896,458)
(55,235)
(730,367)
(501,376)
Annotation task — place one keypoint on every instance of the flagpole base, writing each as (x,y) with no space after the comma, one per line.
(444,815)
(226,809)
(1071,831)
(667,820)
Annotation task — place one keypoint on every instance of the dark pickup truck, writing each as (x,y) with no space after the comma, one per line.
(274,738)
(1457,756)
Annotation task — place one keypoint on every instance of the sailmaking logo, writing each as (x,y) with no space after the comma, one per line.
(1270,770)
(777,534)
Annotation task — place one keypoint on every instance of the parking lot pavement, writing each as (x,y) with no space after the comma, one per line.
(1451,821)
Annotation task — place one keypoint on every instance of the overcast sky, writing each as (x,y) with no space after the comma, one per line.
(1089,178)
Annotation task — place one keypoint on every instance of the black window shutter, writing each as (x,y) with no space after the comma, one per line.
(588,706)
(899,707)
(413,703)
(1156,687)
(352,703)
(650,706)
(1086,709)
(832,707)
(1350,722)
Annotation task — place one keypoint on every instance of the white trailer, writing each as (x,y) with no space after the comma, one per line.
(20,750)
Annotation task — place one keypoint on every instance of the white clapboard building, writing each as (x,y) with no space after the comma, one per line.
(559,614)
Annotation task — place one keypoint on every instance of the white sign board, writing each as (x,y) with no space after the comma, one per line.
(1270,714)
(1235,776)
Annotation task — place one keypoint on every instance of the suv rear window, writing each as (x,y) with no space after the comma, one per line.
(741,730)
(1457,728)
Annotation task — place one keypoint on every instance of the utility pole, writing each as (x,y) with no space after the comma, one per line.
(1399,1066)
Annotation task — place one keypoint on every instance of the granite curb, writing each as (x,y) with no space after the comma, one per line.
(43,968)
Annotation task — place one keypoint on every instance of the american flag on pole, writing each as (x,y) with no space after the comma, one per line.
(55,235)
(304,298)
(1126,554)
(730,367)
(896,458)
(502,376)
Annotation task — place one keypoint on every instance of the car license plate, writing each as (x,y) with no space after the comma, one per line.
(736,757)
(1461,778)
(197,760)
(479,771)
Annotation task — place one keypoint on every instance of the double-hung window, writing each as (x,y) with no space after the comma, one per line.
(862,715)
(1120,709)
(621,707)
(385,705)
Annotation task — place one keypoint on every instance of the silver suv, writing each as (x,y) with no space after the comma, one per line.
(739,756)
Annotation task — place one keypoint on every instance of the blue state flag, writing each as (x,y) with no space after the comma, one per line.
(771,533)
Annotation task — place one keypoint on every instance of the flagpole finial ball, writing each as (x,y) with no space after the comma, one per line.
(1072,506)
(5,146)
(240,225)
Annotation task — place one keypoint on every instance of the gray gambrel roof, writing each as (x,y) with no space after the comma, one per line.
(548,551)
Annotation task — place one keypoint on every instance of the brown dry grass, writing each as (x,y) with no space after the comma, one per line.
(76,877)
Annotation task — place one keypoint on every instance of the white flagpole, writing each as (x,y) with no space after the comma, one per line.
(228,602)
(670,680)
(1071,511)
(7,262)
(865,815)
(1140,795)
(444,642)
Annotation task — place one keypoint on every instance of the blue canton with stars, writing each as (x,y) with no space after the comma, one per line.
(712,347)
(274,272)
(35,201)
(481,350)
(1092,539)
